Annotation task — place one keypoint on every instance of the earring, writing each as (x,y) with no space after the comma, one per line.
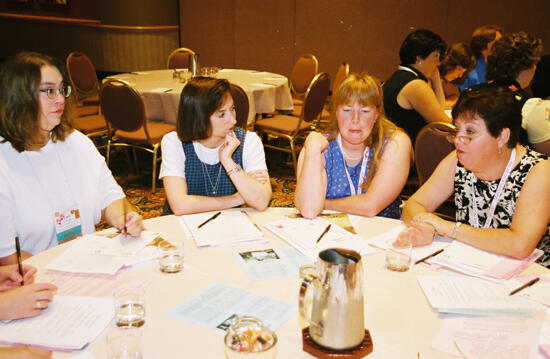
(499,150)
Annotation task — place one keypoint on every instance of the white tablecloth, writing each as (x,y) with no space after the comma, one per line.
(266,91)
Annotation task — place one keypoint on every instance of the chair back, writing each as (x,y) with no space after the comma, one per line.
(82,73)
(431,147)
(341,74)
(303,72)
(181,58)
(242,106)
(315,98)
(122,106)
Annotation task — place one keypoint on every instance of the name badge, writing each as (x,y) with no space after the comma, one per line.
(67,224)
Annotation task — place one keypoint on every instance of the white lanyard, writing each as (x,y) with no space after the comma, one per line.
(364,164)
(474,216)
(406,69)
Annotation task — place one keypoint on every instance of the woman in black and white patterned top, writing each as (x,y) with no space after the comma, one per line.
(501,189)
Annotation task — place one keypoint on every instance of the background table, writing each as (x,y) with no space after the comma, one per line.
(401,321)
(266,91)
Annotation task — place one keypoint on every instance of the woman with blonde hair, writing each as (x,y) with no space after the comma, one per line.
(363,164)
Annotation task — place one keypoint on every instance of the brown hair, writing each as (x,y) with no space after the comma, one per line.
(200,98)
(367,91)
(458,54)
(20,78)
(482,36)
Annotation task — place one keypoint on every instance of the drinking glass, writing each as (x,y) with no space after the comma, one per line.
(398,254)
(124,343)
(129,307)
(171,256)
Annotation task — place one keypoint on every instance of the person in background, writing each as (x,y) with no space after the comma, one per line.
(457,61)
(26,301)
(501,189)
(209,163)
(409,100)
(54,184)
(363,165)
(481,44)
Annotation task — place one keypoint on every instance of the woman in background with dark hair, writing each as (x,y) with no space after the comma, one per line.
(209,163)
(501,189)
(409,100)
(457,61)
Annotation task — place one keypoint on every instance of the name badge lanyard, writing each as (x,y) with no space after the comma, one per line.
(364,164)
(474,214)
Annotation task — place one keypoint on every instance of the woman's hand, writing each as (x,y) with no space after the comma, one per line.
(132,224)
(24,352)
(441,226)
(229,146)
(315,142)
(27,301)
(260,176)
(10,277)
(420,233)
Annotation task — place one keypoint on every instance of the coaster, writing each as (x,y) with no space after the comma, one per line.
(360,351)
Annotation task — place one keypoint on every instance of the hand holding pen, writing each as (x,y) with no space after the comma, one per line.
(10,277)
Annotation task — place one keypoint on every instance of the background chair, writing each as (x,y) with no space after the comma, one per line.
(303,72)
(181,59)
(124,111)
(83,77)
(291,128)
(242,106)
(341,74)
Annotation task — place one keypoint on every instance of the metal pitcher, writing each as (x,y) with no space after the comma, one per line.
(337,319)
(194,64)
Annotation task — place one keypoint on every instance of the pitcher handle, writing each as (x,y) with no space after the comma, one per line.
(307,280)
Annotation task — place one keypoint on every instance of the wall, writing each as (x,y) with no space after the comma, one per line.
(272,34)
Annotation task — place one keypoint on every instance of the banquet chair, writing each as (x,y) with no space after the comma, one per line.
(83,77)
(124,111)
(303,72)
(181,58)
(242,106)
(291,128)
(341,74)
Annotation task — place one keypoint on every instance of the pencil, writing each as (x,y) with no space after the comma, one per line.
(429,256)
(251,220)
(124,232)
(528,284)
(209,219)
(322,234)
(18,250)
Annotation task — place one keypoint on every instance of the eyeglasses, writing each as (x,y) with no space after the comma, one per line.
(465,139)
(53,93)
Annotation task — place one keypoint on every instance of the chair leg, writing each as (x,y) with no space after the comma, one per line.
(293,156)
(135,160)
(108,152)
(154,186)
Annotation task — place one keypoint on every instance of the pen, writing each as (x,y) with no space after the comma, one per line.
(324,232)
(124,232)
(18,250)
(429,256)
(528,284)
(251,220)
(209,219)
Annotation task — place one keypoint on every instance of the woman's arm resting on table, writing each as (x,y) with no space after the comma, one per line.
(115,213)
(311,186)
(437,87)
(26,301)
(254,187)
(387,183)
(418,95)
(182,203)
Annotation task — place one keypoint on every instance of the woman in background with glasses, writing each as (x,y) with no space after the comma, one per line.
(501,189)
(54,184)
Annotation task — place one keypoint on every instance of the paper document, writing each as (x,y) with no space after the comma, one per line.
(473,261)
(272,263)
(67,323)
(303,233)
(230,228)
(480,337)
(217,305)
(343,220)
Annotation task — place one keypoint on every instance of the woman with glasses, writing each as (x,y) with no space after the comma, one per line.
(54,184)
(501,189)
(363,164)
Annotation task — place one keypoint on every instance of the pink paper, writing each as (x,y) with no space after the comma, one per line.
(545,350)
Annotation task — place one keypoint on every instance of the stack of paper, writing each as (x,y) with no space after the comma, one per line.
(473,261)
(303,234)
(68,323)
(230,228)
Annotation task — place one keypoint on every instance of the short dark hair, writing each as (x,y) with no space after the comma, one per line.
(458,54)
(200,98)
(20,78)
(512,54)
(496,105)
(481,38)
(541,80)
(420,43)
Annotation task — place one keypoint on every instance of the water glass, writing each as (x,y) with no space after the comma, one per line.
(129,307)
(398,254)
(124,343)
(171,256)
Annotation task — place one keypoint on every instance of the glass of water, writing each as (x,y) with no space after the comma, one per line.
(129,307)
(124,343)
(171,256)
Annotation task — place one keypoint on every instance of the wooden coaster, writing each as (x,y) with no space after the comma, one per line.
(309,346)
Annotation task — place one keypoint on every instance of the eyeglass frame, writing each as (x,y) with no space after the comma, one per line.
(464,139)
(52,94)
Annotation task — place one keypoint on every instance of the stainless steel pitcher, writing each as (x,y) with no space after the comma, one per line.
(194,65)
(337,319)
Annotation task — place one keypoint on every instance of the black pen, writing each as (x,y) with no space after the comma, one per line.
(124,231)
(322,234)
(209,219)
(429,256)
(528,284)
(18,250)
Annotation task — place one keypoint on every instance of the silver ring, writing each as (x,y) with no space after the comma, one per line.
(38,305)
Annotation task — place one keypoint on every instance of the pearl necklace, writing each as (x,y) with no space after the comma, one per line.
(350,158)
